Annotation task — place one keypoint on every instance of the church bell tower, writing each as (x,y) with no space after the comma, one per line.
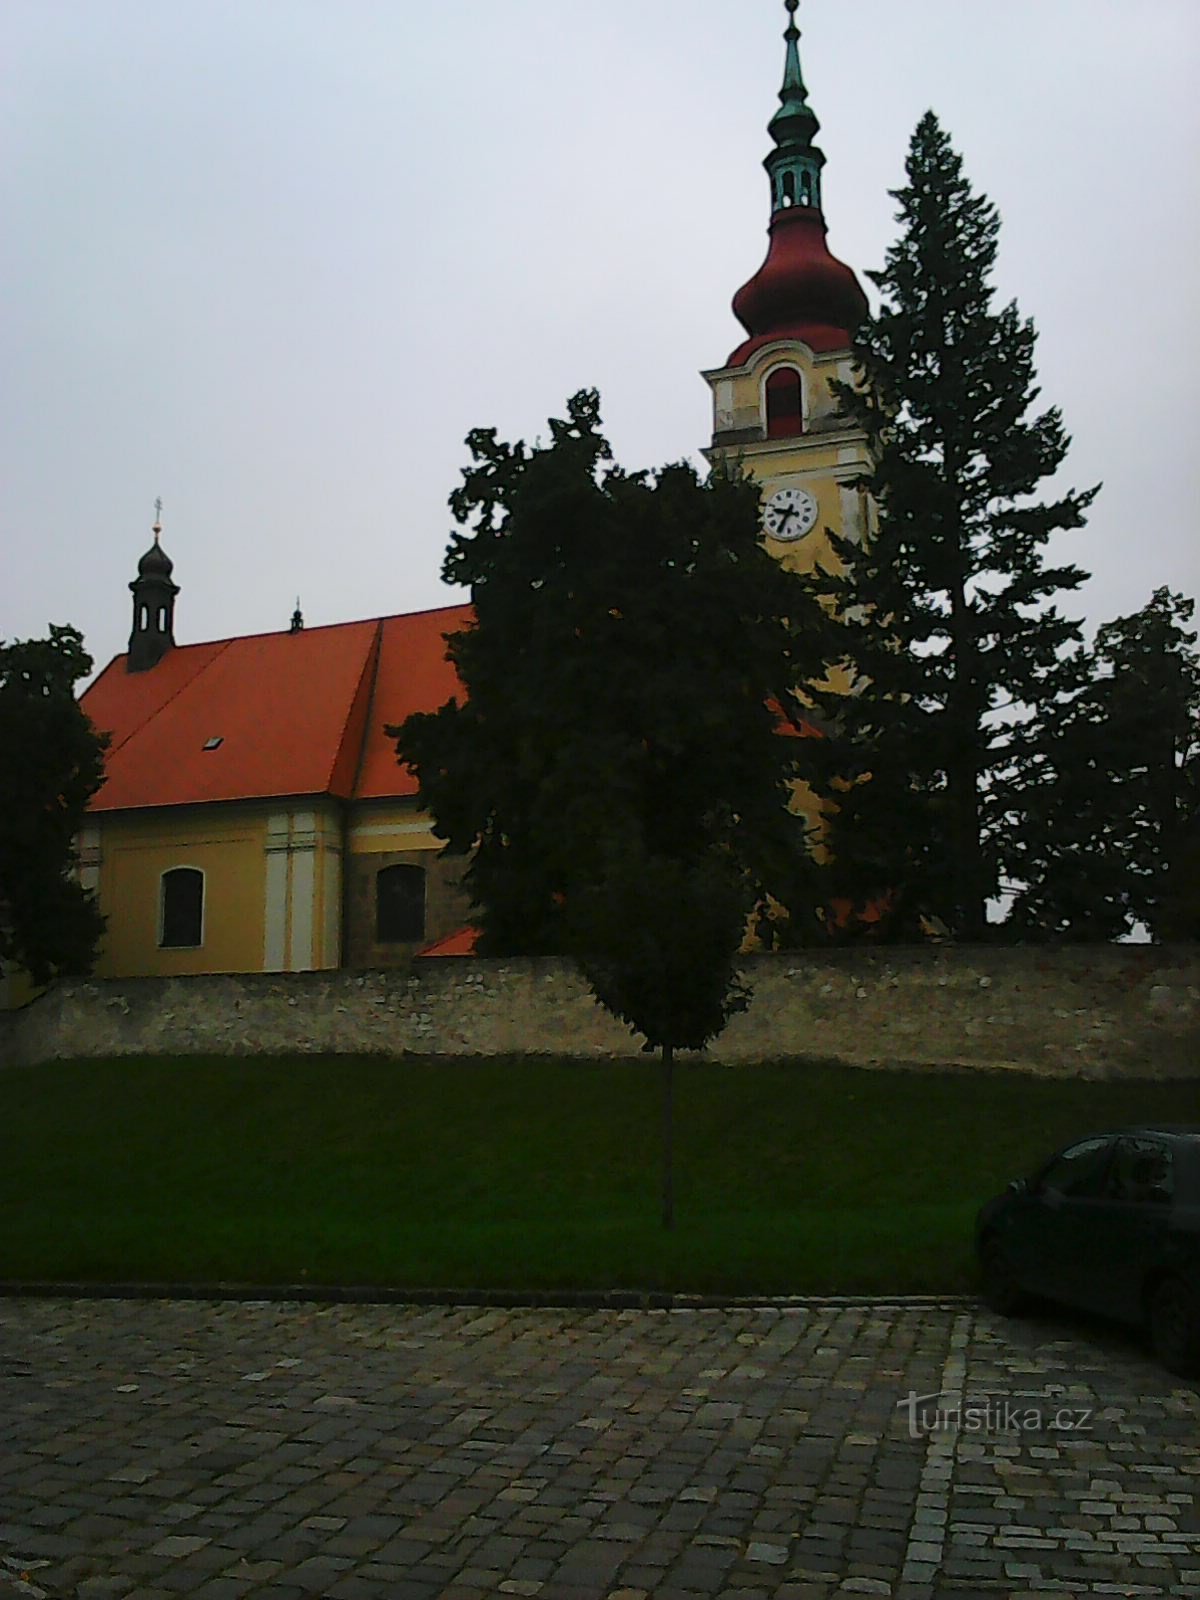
(153,632)
(773,406)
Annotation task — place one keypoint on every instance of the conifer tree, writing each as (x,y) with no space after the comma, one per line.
(947,615)
(1108,830)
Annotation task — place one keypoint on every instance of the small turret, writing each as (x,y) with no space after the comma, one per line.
(794,166)
(154,592)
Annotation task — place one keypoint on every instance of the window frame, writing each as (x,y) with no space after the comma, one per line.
(401,871)
(772,371)
(169,872)
(1130,1147)
(1103,1142)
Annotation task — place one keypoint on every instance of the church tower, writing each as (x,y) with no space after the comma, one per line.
(154,591)
(773,407)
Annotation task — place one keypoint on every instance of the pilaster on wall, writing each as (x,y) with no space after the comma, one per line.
(88,857)
(303,892)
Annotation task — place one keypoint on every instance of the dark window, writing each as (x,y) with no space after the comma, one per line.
(785,408)
(1078,1171)
(399,904)
(789,188)
(1141,1172)
(182,907)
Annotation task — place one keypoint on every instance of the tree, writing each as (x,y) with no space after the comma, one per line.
(676,985)
(51,764)
(616,774)
(632,654)
(945,614)
(1108,834)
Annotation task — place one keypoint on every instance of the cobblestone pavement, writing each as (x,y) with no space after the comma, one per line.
(153,1449)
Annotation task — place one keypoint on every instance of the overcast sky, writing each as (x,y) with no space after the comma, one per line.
(271,259)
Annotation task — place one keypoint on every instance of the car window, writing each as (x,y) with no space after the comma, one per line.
(1142,1172)
(1079,1171)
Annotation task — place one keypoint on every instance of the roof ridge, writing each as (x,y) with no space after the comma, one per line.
(221,645)
(324,627)
(371,665)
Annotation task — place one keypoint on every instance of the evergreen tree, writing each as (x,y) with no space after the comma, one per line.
(51,764)
(946,618)
(1108,834)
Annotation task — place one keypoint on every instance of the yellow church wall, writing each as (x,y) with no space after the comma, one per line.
(226,844)
(275,887)
(272,887)
(378,826)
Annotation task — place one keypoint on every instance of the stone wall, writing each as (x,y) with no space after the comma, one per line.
(1098,1012)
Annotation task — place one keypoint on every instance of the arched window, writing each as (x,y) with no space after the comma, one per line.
(399,904)
(785,403)
(144,617)
(162,619)
(181,909)
(789,188)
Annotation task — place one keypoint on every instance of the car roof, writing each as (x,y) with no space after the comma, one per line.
(1172,1130)
(1175,1131)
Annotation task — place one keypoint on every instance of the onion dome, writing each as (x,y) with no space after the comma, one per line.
(801,291)
(156,563)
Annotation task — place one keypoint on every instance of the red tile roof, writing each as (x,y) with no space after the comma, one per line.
(295,713)
(413,675)
(462,943)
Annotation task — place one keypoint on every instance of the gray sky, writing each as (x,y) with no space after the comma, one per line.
(271,259)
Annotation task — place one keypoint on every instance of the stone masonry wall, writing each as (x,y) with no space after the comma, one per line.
(1097,1012)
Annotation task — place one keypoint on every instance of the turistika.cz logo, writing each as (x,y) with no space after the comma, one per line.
(940,1413)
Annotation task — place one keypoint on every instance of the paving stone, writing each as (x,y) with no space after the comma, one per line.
(180,1544)
(428,1452)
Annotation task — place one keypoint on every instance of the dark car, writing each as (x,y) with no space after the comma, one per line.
(1110,1224)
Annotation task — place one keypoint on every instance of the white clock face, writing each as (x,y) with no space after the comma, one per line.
(790,514)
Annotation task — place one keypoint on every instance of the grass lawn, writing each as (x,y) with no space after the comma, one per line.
(522,1173)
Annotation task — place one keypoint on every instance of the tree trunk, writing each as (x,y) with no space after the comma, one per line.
(668,1132)
(963,778)
(962,767)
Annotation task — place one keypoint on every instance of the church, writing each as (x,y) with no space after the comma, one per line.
(254,817)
